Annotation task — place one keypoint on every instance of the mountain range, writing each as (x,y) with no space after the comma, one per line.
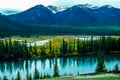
(78,15)
(69,20)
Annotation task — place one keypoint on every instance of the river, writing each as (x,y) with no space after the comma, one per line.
(67,65)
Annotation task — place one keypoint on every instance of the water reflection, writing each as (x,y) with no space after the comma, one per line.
(67,65)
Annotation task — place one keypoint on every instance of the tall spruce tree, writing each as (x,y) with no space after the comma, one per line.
(42,53)
(83,47)
(18,76)
(116,67)
(64,47)
(36,74)
(50,47)
(70,47)
(35,50)
(100,65)
(78,46)
(91,45)
(56,71)
(5,78)
(74,45)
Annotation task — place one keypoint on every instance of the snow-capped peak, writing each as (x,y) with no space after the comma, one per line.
(55,9)
(108,6)
(84,6)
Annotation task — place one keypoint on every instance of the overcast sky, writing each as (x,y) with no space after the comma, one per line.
(25,4)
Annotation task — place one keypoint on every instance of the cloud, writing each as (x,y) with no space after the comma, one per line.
(22,4)
(115,3)
(25,4)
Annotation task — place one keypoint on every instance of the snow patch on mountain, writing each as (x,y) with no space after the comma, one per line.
(55,9)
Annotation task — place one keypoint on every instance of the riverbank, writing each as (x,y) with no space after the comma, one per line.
(59,56)
(107,76)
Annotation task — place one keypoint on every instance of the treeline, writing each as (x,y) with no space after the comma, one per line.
(91,45)
(14,49)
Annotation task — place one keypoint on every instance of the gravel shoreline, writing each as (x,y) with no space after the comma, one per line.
(95,76)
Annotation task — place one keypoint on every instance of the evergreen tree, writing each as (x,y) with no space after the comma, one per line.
(18,76)
(10,47)
(41,77)
(35,50)
(64,47)
(36,74)
(50,48)
(83,47)
(43,53)
(100,65)
(26,49)
(78,73)
(28,77)
(70,47)
(44,76)
(6,49)
(56,71)
(30,50)
(78,46)
(103,43)
(74,46)
(116,67)
(91,46)
(12,78)
(5,78)
(48,76)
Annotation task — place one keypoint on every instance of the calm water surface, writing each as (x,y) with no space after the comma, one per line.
(83,64)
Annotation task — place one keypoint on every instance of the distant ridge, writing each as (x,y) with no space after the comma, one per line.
(80,15)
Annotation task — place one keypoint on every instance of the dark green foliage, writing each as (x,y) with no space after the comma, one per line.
(10,49)
(64,47)
(78,73)
(18,76)
(56,71)
(13,49)
(83,47)
(36,74)
(12,78)
(41,76)
(43,53)
(48,76)
(50,48)
(71,46)
(79,48)
(74,45)
(35,49)
(116,67)
(28,77)
(44,76)
(100,65)
(91,44)
(5,78)
(103,42)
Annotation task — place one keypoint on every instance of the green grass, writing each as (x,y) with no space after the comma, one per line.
(71,78)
